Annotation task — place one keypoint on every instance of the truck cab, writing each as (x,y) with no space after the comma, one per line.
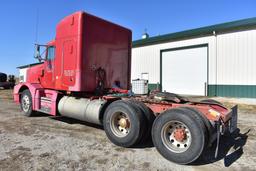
(81,48)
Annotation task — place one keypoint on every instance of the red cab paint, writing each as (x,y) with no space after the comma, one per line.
(83,44)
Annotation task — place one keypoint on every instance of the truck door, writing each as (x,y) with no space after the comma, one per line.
(49,68)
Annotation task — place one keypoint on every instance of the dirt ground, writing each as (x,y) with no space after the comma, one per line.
(56,143)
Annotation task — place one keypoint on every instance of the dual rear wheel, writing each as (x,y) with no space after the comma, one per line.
(179,134)
(127,123)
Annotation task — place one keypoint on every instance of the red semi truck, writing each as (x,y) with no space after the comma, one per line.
(85,74)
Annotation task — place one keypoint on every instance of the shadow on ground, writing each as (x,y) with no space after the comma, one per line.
(75,121)
(147,144)
(230,149)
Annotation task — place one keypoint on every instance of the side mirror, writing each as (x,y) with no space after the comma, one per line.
(37,52)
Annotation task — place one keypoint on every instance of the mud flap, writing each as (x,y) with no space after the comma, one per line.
(231,128)
(233,120)
(218,138)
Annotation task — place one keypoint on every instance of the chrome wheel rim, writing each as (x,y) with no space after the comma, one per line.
(176,136)
(25,103)
(120,124)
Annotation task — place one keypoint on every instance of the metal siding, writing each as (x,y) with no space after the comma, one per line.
(23,72)
(236,58)
(234,75)
(233,90)
(147,58)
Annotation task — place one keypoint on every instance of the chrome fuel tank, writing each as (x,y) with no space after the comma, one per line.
(81,108)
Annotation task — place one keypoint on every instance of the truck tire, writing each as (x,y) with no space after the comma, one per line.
(211,101)
(123,123)
(26,103)
(149,118)
(209,127)
(179,135)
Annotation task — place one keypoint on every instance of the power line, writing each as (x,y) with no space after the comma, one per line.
(37,21)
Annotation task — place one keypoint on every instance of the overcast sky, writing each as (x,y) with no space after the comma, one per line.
(18,20)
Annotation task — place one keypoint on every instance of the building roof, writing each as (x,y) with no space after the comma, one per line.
(244,24)
(29,65)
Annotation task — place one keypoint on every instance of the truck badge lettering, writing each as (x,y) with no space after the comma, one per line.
(69,73)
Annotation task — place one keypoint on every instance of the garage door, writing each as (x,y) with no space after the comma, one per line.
(184,71)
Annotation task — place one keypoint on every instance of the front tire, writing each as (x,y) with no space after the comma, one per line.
(179,135)
(26,103)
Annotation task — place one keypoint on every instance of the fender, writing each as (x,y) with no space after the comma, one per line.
(23,86)
(37,91)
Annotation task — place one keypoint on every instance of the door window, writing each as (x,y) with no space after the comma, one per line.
(51,53)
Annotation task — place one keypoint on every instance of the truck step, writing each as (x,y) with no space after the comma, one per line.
(45,99)
(46,110)
(45,105)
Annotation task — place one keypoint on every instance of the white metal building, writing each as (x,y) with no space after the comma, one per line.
(217,60)
(23,71)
